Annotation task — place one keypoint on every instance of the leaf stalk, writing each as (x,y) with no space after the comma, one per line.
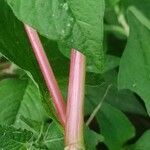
(75,103)
(48,74)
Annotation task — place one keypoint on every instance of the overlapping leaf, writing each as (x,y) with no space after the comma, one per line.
(73,24)
(134,73)
(15,46)
(19,97)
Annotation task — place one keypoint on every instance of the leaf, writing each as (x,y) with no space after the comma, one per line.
(123,100)
(19,97)
(87,32)
(53,138)
(72,24)
(17,49)
(46,135)
(16,139)
(94,139)
(142,143)
(134,67)
(13,47)
(49,17)
(115,127)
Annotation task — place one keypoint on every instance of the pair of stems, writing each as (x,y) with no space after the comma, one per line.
(71,116)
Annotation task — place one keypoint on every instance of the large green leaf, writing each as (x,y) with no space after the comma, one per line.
(87,32)
(16,139)
(135,63)
(19,97)
(50,17)
(15,46)
(115,127)
(73,24)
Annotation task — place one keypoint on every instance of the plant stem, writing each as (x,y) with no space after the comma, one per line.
(48,74)
(98,106)
(122,19)
(74,114)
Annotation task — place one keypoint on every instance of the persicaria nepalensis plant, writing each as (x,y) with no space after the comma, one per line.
(71,119)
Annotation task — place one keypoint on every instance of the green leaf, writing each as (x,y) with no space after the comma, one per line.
(87,32)
(123,100)
(13,42)
(46,135)
(72,24)
(50,17)
(53,138)
(115,127)
(135,63)
(16,139)
(94,139)
(142,143)
(17,49)
(19,97)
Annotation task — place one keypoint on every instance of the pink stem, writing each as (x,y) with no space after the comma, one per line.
(74,115)
(48,74)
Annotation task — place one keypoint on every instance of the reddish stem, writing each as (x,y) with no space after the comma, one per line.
(48,74)
(74,115)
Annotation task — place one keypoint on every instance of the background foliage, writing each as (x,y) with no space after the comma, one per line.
(113,34)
